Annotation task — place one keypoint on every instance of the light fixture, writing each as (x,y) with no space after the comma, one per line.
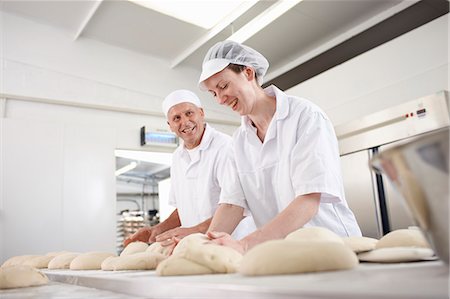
(262,20)
(126,168)
(203,13)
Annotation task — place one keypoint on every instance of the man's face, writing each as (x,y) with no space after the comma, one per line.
(187,121)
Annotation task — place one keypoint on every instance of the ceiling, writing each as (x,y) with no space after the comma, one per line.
(301,31)
(309,29)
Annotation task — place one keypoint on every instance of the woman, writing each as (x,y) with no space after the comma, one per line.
(285,151)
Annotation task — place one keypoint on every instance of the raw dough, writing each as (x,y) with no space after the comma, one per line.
(396,255)
(176,265)
(189,241)
(62,261)
(138,261)
(194,256)
(314,233)
(19,276)
(158,248)
(17,260)
(403,238)
(360,244)
(39,262)
(288,257)
(134,247)
(89,261)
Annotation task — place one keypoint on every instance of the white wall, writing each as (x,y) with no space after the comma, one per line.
(413,65)
(68,106)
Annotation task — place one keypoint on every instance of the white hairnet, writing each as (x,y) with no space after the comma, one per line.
(180,96)
(223,53)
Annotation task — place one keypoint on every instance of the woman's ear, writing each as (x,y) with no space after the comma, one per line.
(249,73)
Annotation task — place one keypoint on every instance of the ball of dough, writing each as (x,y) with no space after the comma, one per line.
(360,244)
(176,265)
(17,260)
(39,262)
(396,255)
(62,261)
(89,261)
(190,241)
(138,261)
(289,257)
(134,247)
(19,276)
(403,238)
(315,233)
(158,248)
(220,259)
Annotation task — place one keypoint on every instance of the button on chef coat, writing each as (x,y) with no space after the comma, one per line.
(299,155)
(197,185)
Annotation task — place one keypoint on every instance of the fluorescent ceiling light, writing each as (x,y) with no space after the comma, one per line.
(262,20)
(203,13)
(126,168)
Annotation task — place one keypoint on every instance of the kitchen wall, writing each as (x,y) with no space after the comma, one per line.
(65,107)
(413,65)
(69,105)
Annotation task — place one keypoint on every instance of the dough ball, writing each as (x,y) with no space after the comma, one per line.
(134,247)
(39,262)
(138,261)
(315,233)
(403,238)
(19,276)
(193,256)
(176,265)
(18,260)
(360,244)
(396,255)
(62,261)
(89,261)
(220,259)
(289,257)
(190,241)
(158,248)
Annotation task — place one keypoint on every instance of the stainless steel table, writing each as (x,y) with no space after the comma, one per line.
(406,280)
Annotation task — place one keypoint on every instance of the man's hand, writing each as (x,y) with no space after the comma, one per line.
(175,233)
(225,239)
(145,234)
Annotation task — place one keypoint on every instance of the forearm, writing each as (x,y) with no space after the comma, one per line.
(203,227)
(299,212)
(171,222)
(226,218)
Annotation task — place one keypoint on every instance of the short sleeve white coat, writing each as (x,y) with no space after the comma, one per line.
(198,185)
(299,155)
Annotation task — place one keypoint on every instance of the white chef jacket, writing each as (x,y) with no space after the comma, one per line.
(198,185)
(299,155)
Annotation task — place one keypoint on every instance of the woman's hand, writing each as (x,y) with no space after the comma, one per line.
(225,239)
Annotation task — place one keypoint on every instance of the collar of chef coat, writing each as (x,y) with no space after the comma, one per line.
(281,112)
(204,144)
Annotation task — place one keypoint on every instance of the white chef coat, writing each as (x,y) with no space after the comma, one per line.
(299,155)
(197,185)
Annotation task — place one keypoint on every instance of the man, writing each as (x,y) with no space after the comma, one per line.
(202,174)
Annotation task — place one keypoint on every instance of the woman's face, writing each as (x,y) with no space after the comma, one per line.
(235,90)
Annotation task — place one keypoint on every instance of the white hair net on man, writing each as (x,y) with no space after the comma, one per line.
(223,53)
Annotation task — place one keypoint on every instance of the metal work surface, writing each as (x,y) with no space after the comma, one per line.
(404,280)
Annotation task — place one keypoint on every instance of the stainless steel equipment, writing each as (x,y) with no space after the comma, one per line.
(419,170)
(378,207)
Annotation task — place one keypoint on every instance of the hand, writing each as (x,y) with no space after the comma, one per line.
(225,239)
(145,234)
(178,233)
